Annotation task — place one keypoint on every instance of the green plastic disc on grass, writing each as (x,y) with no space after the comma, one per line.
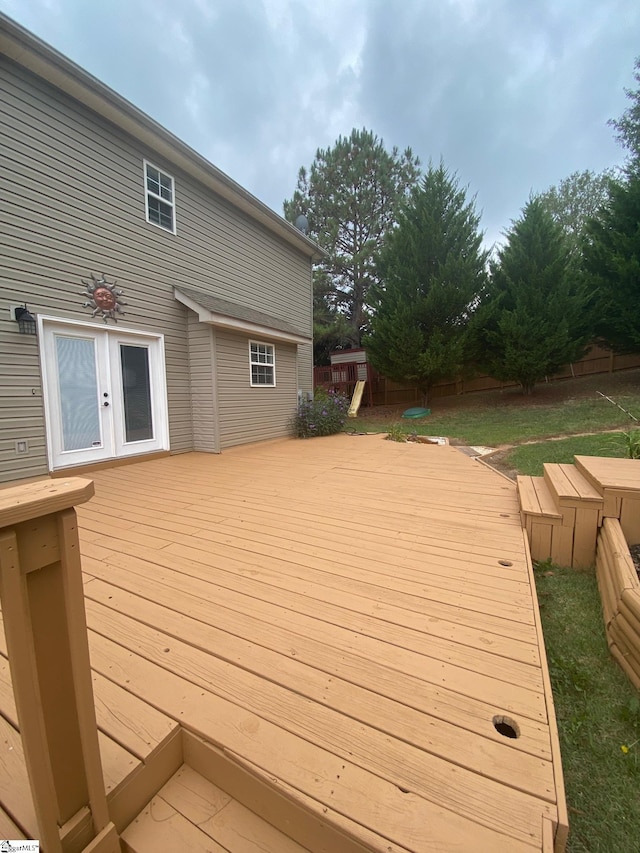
(416,413)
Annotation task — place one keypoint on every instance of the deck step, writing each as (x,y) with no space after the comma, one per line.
(561,512)
(550,533)
(569,487)
(608,474)
(536,498)
(191,813)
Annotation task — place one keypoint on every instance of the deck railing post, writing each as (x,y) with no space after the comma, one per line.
(45,626)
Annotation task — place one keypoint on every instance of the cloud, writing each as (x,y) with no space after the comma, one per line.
(514,96)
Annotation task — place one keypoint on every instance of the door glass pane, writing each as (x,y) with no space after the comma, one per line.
(78,393)
(136,390)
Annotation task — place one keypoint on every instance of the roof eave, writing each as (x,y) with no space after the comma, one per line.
(214,318)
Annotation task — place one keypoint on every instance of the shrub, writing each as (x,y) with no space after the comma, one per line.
(397,433)
(324,415)
(631,441)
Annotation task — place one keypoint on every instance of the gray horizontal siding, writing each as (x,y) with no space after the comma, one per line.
(73,203)
(107,171)
(246,413)
(202,384)
(21,409)
(305,367)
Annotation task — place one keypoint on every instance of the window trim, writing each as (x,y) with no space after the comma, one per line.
(147,192)
(252,363)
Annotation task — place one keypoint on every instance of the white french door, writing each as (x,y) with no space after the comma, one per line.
(105,394)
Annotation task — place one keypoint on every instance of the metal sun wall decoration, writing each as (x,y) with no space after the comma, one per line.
(103,298)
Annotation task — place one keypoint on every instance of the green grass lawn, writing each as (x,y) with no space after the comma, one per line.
(529,458)
(495,425)
(498,418)
(598,712)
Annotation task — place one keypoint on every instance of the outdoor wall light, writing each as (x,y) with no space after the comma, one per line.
(25,320)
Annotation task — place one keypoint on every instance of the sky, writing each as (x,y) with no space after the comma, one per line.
(513,95)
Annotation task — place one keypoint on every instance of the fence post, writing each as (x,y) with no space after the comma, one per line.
(45,626)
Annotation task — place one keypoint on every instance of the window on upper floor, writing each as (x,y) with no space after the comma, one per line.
(262,358)
(159,198)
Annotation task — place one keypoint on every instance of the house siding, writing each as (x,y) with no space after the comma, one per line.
(203,386)
(21,410)
(249,413)
(73,203)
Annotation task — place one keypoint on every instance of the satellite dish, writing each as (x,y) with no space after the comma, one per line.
(302,224)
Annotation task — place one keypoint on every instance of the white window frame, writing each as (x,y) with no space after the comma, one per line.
(147,164)
(256,363)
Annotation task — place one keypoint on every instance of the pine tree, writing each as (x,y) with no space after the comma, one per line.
(350,196)
(431,270)
(534,316)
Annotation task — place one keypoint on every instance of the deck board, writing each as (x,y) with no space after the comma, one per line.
(225,821)
(117,762)
(288,703)
(346,615)
(328,598)
(347,633)
(136,726)
(370,541)
(8,829)
(219,507)
(473,815)
(371,611)
(15,792)
(298,581)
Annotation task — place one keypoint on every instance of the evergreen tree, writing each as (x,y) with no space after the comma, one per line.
(612,245)
(330,327)
(350,196)
(612,263)
(534,316)
(431,270)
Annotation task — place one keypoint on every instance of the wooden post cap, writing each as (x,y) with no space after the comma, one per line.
(31,500)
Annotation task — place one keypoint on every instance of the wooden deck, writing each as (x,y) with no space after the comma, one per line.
(348,619)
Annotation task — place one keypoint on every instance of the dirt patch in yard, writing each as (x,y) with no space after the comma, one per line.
(498,461)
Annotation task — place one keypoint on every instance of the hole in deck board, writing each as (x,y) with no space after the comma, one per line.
(506,726)
(402,790)
(504,515)
(505,563)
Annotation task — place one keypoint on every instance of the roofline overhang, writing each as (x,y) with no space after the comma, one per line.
(223,321)
(37,56)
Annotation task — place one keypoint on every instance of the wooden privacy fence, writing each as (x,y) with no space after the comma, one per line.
(46,634)
(386,392)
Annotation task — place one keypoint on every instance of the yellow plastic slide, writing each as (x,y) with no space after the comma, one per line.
(356,399)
